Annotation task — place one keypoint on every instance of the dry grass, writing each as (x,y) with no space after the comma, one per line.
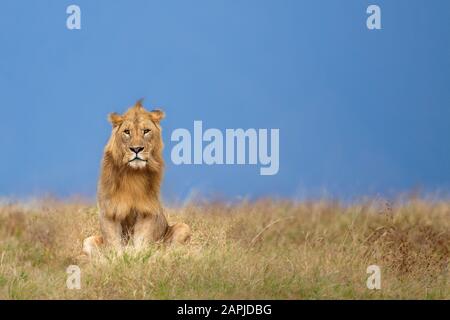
(265,249)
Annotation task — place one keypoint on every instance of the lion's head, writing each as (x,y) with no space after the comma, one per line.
(136,141)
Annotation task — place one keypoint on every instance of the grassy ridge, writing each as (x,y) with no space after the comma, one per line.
(259,250)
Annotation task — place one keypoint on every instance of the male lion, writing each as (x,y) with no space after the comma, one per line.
(129,186)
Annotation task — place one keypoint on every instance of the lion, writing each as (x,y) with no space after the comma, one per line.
(128,193)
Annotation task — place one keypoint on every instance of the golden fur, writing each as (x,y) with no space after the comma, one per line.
(129,185)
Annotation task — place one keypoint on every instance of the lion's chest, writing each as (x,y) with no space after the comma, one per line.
(131,196)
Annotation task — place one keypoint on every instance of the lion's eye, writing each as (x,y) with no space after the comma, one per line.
(146,131)
(126,131)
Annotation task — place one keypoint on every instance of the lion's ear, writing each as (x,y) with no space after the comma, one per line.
(157,115)
(115,119)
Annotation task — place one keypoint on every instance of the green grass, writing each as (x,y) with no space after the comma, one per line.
(260,250)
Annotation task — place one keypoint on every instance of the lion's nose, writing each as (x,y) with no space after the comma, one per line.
(136,149)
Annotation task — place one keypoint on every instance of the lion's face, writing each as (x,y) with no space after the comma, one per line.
(137,141)
(136,137)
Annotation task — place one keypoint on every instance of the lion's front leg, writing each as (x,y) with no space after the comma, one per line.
(112,232)
(149,229)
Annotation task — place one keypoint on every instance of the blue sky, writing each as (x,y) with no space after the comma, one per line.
(360,112)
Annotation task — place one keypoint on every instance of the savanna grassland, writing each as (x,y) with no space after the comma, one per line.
(258,250)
